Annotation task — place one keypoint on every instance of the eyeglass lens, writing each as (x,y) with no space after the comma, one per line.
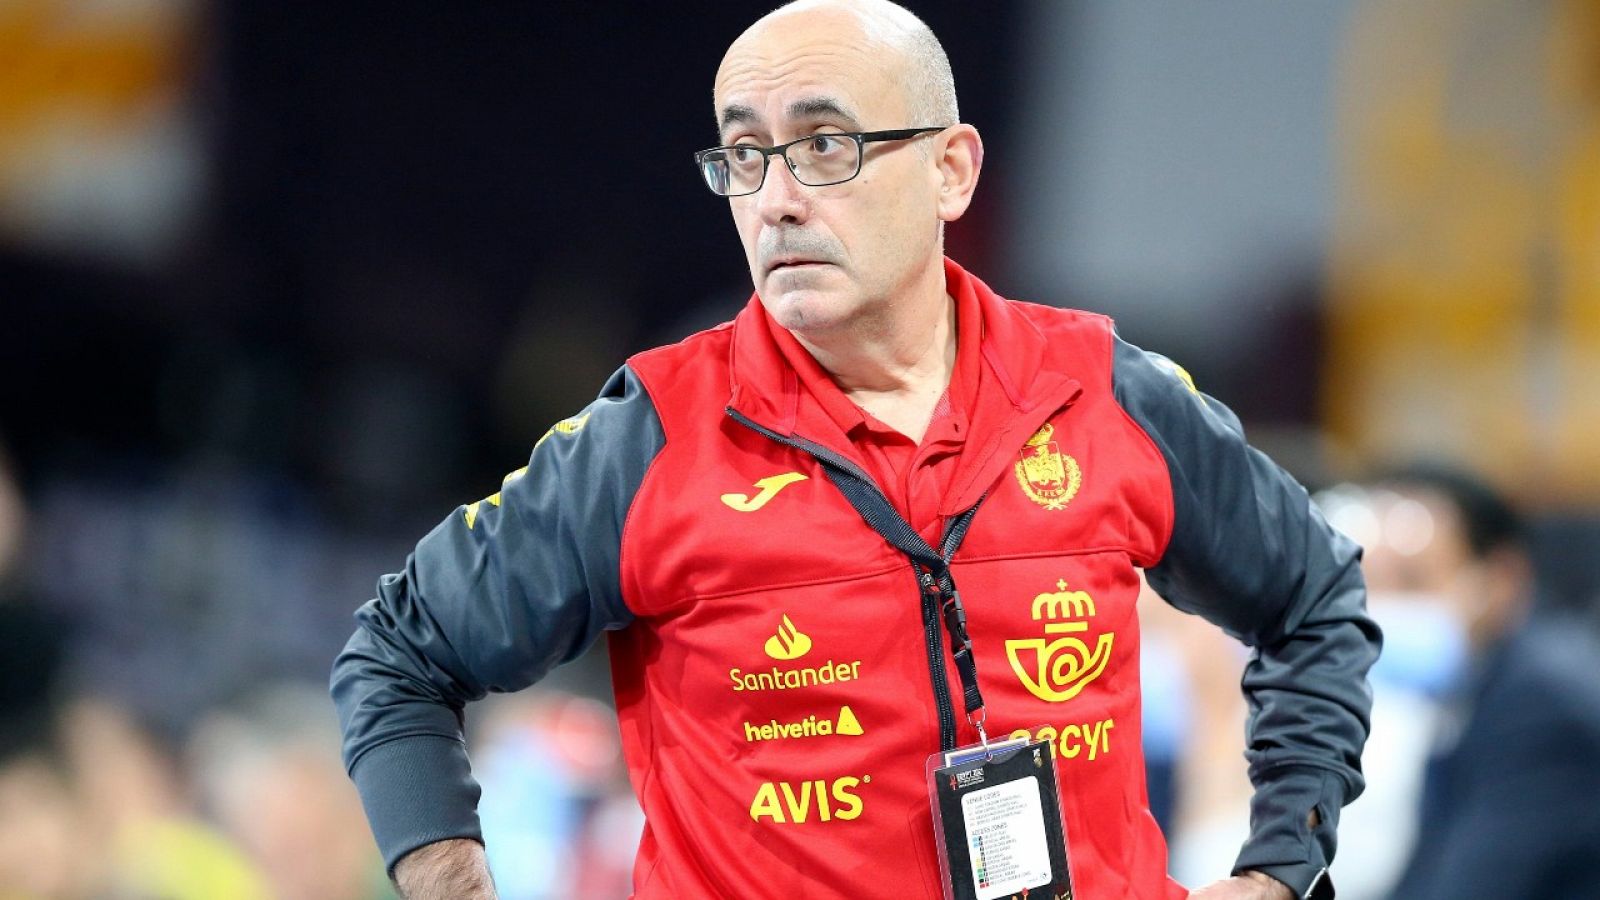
(818,160)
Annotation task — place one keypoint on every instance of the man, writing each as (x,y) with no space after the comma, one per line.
(773,518)
(1508,797)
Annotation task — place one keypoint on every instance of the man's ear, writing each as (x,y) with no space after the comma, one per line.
(959,158)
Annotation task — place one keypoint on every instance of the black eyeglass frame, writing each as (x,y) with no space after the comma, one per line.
(862,138)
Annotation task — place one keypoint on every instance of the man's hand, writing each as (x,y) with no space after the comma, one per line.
(448,870)
(1249,886)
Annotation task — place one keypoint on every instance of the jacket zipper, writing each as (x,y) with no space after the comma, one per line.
(934,637)
(928,586)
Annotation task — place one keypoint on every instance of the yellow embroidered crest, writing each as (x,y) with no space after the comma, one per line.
(1049,477)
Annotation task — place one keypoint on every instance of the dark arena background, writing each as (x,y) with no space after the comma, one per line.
(282,284)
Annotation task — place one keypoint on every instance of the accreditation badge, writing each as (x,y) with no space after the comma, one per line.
(997,822)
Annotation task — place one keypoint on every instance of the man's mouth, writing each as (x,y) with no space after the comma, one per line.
(794,264)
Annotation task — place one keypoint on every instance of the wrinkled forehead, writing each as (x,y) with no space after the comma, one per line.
(797,74)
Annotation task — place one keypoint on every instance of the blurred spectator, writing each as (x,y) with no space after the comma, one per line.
(1486,715)
(140,835)
(92,801)
(1210,790)
(1166,704)
(1423,655)
(559,820)
(39,838)
(269,771)
(1508,805)
(38,820)
(39,843)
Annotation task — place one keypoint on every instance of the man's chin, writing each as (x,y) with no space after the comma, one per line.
(806,309)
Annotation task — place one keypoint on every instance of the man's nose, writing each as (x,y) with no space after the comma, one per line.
(782,197)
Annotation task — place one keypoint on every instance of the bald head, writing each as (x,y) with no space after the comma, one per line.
(909,56)
(846,256)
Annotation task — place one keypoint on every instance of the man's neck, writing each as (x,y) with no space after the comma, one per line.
(898,366)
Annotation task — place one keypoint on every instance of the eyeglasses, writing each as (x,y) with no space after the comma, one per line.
(821,159)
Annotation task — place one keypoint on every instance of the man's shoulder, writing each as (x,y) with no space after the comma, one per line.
(1044,313)
(691,375)
(708,347)
(1029,335)
(1050,315)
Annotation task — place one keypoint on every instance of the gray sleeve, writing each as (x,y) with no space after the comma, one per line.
(1250,553)
(494,597)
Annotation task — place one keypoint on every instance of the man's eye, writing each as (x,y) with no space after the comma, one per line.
(824,144)
(744,155)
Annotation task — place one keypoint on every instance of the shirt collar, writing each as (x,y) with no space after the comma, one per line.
(843,412)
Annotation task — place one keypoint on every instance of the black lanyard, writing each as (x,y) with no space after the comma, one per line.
(933,574)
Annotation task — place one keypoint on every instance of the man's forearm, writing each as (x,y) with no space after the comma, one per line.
(448,870)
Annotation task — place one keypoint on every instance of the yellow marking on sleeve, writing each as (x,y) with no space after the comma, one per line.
(471,511)
(565,426)
(1183,375)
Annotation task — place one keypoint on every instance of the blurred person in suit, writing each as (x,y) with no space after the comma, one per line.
(1423,656)
(1508,798)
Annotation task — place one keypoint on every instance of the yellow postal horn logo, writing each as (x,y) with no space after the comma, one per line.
(789,643)
(1049,477)
(1056,667)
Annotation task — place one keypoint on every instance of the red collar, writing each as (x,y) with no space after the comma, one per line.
(842,412)
(1001,388)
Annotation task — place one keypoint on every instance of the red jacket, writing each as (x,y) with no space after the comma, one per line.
(780,676)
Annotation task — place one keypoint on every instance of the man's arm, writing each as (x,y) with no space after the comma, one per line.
(1250,885)
(454,869)
(1250,553)
(496,595)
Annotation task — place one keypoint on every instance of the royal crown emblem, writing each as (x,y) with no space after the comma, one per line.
(1057,666)
(1049,477)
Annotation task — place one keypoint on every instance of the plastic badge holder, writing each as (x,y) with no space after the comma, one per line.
(997,822)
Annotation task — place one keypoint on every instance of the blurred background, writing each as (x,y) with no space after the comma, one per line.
(283,283)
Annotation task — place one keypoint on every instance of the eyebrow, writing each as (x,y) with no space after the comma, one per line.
(821,108)
(737,115)
(806,108)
